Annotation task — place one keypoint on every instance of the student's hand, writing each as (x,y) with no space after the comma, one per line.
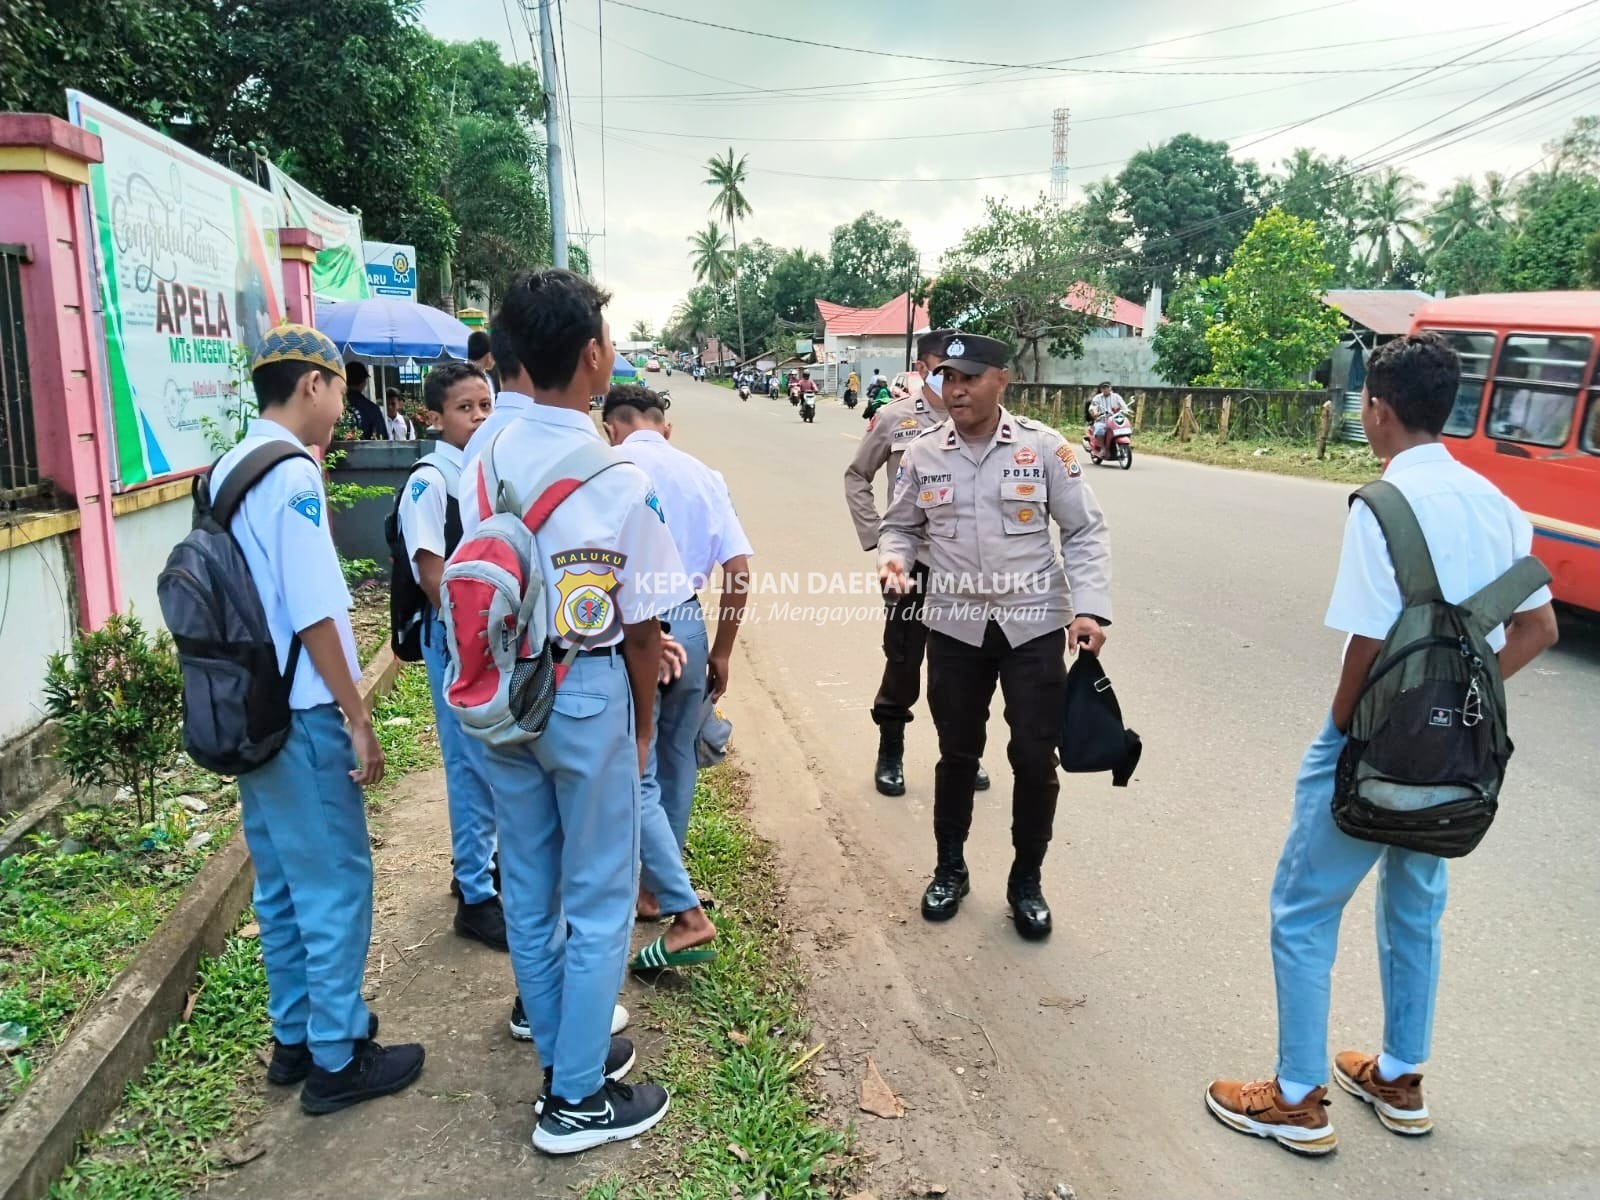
(1085,633)
(893,578)
(642,745)
(717,676)
(369,754)
(673,658)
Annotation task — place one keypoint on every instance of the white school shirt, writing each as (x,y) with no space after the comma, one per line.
(1473,532)
(508,406)
(400,429)
(422,507)
(611,531)
(282,527)
(704,527)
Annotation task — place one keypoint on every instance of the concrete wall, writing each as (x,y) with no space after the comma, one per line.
(358,530)
(144,539)
(1126,361)
(38,614)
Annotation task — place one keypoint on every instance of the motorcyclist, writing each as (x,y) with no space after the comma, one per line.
(1104,405)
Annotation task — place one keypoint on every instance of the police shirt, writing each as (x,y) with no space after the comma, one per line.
(609,534)
(423,506)
(986,513)
(1473,533)
(508,406)
(704,527)
(282,527)
(892,429)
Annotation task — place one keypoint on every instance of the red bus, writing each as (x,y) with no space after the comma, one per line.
(1527,417)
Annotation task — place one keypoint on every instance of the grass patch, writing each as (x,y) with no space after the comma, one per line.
(404,722)
(369,617)
(743,1122)
(1345,463)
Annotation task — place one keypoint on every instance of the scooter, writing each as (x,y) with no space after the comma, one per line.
(1117,445)
(744,391)
(794,393)
(849,398)
(808,407)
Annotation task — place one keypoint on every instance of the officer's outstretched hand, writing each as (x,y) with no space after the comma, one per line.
(893,578)
(1085,633)
(369,754)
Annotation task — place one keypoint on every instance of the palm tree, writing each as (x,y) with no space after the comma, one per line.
(1498,200)
(692,319)
(728,177)
(641,332)
(1459,210)
(1388,218)
(710,258)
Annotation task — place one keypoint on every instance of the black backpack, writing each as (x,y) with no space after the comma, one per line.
(408,604)
(235,699)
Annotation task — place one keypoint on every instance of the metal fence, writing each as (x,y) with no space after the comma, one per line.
(1252,413)
(19,454)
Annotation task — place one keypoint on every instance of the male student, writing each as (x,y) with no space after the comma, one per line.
(457,396)
(1474,534)
(567,804)
(303,813)
(515,397)
(397,424)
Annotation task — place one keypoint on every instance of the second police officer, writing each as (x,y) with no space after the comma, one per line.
(975,496)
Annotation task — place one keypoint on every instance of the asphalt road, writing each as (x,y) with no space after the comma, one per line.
(1160,890)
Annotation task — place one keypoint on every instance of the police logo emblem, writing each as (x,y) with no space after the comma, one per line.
(955,349)
(585,607)
(1024,457)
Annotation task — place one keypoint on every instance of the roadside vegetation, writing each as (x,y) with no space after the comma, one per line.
(1345,463)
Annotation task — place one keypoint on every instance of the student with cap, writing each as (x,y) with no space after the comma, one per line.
(567,804)
(979,492)
(707,534)
(304,816)
(891,431)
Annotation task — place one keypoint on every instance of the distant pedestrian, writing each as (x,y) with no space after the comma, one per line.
(397,424)
(370,421)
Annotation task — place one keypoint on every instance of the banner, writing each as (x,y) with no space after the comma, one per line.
(186,260)
(340,270)
(391,269)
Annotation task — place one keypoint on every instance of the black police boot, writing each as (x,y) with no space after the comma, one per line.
(942,900)
(890,775)
(981,783)
(1025,894)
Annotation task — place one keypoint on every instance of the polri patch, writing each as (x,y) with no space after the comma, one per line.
(1024,456)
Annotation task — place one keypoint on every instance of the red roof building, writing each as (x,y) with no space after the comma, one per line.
(887,320)
(1112,309)
(715,354)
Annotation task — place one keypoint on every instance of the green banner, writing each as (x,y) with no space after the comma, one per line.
(340,270)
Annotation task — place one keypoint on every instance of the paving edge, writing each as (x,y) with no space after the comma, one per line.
(82,1085)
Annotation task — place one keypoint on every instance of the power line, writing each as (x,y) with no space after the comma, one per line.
(605,251)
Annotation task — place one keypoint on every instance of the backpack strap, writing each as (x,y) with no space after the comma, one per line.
(567,476)
(250,470)
(1495,603)
(1408,547)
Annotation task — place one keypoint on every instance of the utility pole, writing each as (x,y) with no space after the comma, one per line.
(552,136)
(913,276)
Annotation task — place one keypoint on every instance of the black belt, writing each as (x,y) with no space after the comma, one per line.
(596,652)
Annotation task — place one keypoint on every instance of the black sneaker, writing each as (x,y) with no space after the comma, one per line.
(483,922)
(374,1071)
(619,1061)
(291,1061)
(523,1032)
(615,1113)
(494,877)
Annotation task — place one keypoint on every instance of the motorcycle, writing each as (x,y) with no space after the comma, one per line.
(794,393)
(849,398)
(1117,444)
(808,407)
(744,391)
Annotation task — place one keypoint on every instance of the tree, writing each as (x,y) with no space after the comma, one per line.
(1473,262)
(1010,276)
(1182,354)
(491,187)
(869,261)
(1458,210)
(728,177)
(797,279)
(1547,250)
(1388,220)
(710,258)
(691,320)
(1324,191)
(641,332)
(1275,329)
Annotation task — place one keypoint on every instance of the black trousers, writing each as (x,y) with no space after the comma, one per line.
(905,638)
(1033,681)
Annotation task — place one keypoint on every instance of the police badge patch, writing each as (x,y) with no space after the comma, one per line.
(587,608)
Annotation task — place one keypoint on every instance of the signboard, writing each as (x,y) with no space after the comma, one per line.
(339,272)
(186,261)
(391,269)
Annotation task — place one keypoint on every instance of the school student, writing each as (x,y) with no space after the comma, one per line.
(1473,534)
(457,397)
(304,816)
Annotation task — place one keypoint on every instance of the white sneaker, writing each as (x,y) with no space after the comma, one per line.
(523,1032)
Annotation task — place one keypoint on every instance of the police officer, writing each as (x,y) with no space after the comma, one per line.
(893,429)
(976,495)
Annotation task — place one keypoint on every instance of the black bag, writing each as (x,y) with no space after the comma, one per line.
(1093,737)
(408,604)
(235,700)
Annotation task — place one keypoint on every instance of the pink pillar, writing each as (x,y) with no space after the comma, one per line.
(298,250)
(44,170)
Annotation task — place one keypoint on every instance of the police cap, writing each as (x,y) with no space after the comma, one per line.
(933,342)
(973,354)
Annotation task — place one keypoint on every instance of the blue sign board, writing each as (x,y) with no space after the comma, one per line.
(391,269)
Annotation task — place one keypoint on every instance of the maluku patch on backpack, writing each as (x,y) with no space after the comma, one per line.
(1428,744)
(408,603)
(235,699)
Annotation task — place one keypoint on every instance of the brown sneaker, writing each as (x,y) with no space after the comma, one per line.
(1258,1107)
(1398,1102)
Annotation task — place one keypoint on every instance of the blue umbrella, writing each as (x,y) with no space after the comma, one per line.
(391,331)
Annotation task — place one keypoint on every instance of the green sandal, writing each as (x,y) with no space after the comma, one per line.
(656,956)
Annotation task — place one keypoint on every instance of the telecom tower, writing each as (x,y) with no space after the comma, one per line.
(1058,156)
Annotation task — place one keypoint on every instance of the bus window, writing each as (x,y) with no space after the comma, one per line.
(1536,388)
(1475,350)
(1591,429)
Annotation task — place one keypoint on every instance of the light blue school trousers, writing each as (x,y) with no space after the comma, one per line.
(667,790)
(567,813)
(466,781)
(305,822)
(1319,871)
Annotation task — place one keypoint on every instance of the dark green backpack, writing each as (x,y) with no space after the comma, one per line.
(1428,745)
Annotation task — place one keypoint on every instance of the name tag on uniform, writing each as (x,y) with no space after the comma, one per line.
(933,497)
(1023,489)
(907,430)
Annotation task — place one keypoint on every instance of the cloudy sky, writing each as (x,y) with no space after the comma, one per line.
(919,110)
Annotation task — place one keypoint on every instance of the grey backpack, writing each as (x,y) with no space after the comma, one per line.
(235,699)
(1428,744)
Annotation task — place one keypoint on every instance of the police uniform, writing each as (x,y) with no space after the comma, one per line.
(423,510)
(997,608)
(567,805)
(305,820)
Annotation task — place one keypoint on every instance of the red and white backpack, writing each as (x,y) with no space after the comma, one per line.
(502,674)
